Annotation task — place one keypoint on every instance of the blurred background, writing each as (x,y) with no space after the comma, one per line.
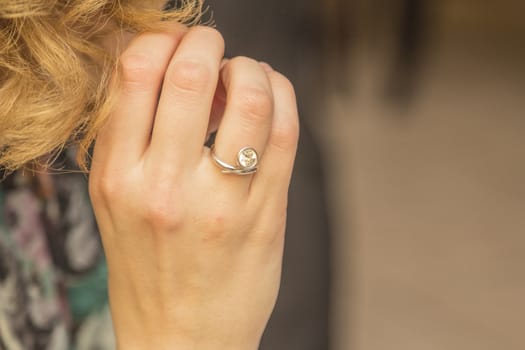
(407,212)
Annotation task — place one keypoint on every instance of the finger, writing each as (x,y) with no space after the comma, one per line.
(219,104)
(185,103)
(247,118)
(275,170)
(139,75)
(218,108)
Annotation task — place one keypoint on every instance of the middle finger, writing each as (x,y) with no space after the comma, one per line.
(248,115)
(184,108)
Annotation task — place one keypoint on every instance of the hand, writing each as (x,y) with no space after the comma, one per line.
(194,255)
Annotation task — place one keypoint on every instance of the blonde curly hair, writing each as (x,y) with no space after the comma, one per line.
(55,70)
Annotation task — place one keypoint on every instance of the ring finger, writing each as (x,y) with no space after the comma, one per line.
(248,115)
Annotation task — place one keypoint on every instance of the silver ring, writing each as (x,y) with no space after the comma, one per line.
(247,161)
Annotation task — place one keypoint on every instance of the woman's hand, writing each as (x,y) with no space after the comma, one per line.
(194,255)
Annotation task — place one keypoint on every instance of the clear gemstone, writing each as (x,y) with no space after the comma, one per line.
(248,158)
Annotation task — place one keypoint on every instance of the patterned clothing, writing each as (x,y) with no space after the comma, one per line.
(53,290)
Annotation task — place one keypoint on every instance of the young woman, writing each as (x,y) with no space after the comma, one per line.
(193,236)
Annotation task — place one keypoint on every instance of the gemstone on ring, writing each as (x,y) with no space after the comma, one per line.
(247,161)
(247,158)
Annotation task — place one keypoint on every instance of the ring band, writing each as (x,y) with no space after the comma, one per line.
(247,161)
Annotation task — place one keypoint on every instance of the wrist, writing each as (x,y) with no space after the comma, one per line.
(138,329)
(160,343)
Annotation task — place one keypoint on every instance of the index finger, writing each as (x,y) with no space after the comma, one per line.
(125,137)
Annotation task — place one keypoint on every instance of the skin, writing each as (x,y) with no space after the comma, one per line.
(194,255)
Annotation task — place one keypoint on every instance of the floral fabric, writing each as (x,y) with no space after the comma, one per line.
(53,290)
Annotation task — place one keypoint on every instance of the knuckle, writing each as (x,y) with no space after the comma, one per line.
(219,222)
(215,36)
(161,210)
(242,60)
(255,103)
(218,227)
(284,83)
(157,215)
(189,76)
(104,188)
(288,87)
(161,215)
(138,71)
(286,135)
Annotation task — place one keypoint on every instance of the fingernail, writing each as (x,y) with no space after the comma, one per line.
(266,67)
